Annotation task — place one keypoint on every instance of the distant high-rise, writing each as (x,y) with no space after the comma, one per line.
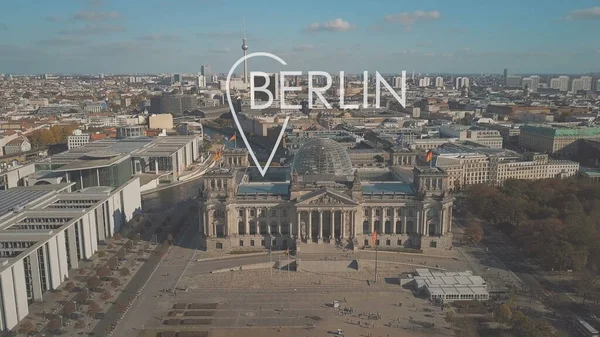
(555,83)
(598,86)
(513,81)
(397,82)
(177,78)
(577,84)
(439,82)
(587,82)
(424,82)
(205,71)
(564,83)
(201,81)
(461,82)
(532,82)
(505,75)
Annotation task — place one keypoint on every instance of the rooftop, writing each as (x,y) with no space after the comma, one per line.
(387,188)
(264,188)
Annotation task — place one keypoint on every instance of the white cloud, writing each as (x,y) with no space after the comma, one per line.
(96,16)
(408,19)
(337,25)
(94,30)
(585,14)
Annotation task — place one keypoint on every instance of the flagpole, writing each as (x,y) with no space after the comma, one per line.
(235,140)
(376,250)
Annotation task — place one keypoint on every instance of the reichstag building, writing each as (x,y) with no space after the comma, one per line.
(322,199)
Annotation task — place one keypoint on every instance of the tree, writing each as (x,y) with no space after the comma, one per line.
(69,286)
(112,263)
(124,272)
(80,324)
(466,328)
(117,236)
(27,328)
(69,308)
(103,272)
(503,313)
(473,231)
(115,283)
(93,309)
(587,283)
(55,325)
(136,238)
(93,282)
(106,295)
(101,254)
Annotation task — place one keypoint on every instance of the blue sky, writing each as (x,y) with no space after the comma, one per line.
(156,36)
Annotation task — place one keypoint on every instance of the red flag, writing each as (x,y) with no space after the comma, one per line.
(232,138)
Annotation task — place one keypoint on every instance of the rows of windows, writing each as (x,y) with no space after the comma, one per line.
(16,244)
(408,211)
(387,229)
(262,213)
(28,278)
(42,267)
(273,229)
(48,220)
(263,243)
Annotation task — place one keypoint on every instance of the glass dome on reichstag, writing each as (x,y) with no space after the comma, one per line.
(322,156)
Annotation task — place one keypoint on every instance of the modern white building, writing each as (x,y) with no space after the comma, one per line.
(77,139)
(587,82)
(577,85)
(46,230)
(448,286)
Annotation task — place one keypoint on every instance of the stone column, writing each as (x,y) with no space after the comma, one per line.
(404,228)
(332,223)
(309,234)
(425,226)
(279,223)
(450,219)
(440,230)
(393,220)
(320,225)
(210,225)
(342,229)
(418,222)
(298,215)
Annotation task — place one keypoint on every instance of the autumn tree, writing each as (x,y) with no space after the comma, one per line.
(106,295)
(124,272)
(112,263)
(115,283)
(69,308)
(80,324)
(69,286)
(473,231)
(503,314)
(101,254)
(103,272)
(93,309)
(55,325)
(93,282)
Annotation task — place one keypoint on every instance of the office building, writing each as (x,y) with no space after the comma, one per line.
(532,82)
(490,138)
(77,139)
(398,82)
(177,78)
(505,75)
(17,146)
(323,200)
(598,85)
(564,83)
(206,72)
(469,165)
(201,81)
(513,81)
(131,131)
(46,231)
(175,103)
(555,140)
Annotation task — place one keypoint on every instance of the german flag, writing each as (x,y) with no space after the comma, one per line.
(374,239)
(232,138)
(217,155)
(429,156)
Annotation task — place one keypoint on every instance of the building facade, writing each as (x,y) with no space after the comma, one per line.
(45,232)
(16,146)
(324,201)
(554,140)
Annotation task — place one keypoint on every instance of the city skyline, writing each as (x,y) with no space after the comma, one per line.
(95,36)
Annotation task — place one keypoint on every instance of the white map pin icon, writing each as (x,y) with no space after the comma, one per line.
(262,170)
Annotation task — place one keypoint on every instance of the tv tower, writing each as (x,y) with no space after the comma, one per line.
(245,49)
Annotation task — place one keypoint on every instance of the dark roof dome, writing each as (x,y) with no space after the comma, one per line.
(322,156)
